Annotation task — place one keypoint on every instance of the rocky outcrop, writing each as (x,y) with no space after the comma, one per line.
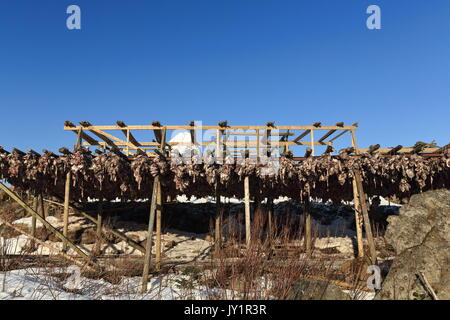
(309,289)
(420,236)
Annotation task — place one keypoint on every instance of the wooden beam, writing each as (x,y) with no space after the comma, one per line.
(358,208)
(395,150)
(159,209)
(78,131)
(329,150)
(128,133)
(58,234)
(365,213)
(33,218)
(151,223)
(188,127)
(157,131)
(308,152)
(51,248)
(217,228)
(362,202)
(308,233)
(329,133)
(358,221)
(99,217)
(104,136)
(233,143)
(302,135)
(355,126)
(373,148)
(399,150)
(66,207)
(192,131)
(118,234)
(270,209)
(247,210)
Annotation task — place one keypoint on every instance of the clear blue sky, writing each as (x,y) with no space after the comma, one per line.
(246,61)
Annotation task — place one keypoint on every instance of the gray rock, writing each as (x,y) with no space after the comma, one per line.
(420,235)
(308,289)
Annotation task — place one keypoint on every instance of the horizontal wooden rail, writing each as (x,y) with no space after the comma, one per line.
(150,127)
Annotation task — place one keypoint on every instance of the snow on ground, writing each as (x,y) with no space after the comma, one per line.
(43,284)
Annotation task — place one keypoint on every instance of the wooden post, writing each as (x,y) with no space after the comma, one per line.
(45,223)
(363,204)
(33,218)
(99,217)
(148,249)
(42,206)
(159,206)
(217,228)
(270,217)
(312,142)
(66,208)
(358,207)
(308,235)
(257,145)
(247,209)
(158,247)
(128,143)
(358,221)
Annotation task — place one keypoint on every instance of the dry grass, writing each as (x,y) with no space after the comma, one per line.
(267,269)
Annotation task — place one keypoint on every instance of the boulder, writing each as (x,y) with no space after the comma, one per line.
(310,289)
(420,236)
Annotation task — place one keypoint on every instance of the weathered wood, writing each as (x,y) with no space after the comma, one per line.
(66,207)
(329,150)
(302,135)
(192,132)
(427,285)
(308,152)
(52,229)
(42,208)
(365,213)
(159,210)
(395,150)
(218,226)
(99,217)
(373,148)
(391,151)
(118,234)
(358,221)
(51,248)
(128,134)
(213,127)
(270,209)
(148,249)
(307,217)
(82,135)
(358,205)
(247,210)
(33,218)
